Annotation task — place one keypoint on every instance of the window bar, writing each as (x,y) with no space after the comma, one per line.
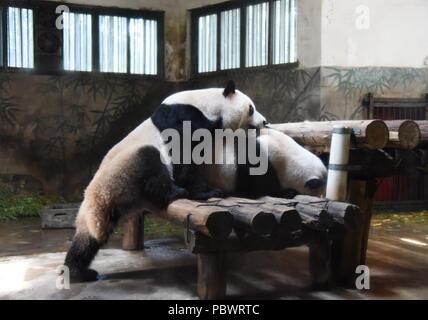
(155,47)
(243,37)
(3,37)
(93,42)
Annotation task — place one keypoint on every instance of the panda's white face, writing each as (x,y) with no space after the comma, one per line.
(235,108)
(296,167)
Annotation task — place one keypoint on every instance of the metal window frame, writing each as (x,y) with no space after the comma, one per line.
(95,11)
(217,9)
(4,34)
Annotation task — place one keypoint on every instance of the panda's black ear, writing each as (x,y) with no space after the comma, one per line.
(230,88)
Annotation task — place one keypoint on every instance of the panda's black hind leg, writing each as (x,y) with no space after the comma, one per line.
(79,257)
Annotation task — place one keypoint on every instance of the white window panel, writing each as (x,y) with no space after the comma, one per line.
(230,39)
(284,31)
(143,46)
(20,42)
(77,41)
(257,35)
(113,43)
(207,42)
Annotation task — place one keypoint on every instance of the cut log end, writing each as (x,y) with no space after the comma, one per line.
(377,134)
(219,224)
(264,223)
(290,221)
(409,135)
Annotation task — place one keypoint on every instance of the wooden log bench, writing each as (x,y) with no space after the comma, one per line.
(218,227)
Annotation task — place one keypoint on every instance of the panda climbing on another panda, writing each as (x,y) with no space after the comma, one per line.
(291,170)
(135,174)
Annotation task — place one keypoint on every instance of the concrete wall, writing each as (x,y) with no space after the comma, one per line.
(387,33)
(377,46)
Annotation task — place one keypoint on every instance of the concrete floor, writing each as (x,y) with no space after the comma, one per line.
(397,257)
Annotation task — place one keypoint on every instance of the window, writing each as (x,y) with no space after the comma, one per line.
(207,43)
(113,44)
(144,46)
(249,34)
(112,40)
(256,53)
(20,42)
(284,31)
(230,39)
(77,41)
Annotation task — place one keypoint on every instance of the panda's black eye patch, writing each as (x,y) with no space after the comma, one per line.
(251,110)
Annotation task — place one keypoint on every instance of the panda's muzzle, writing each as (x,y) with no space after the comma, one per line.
(314,183)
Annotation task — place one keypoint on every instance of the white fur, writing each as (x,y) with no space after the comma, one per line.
(233,109)
(294,165)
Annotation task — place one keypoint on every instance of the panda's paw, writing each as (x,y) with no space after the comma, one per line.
(87,275)
(213,193)
(178,193)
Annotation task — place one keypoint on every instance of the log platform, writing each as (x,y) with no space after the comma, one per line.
(218,227)
(335,232)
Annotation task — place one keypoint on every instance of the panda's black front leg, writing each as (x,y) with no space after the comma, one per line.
(192,177)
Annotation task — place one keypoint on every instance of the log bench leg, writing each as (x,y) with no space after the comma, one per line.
(319,262)
(133,233)
(211,276)
(350,251)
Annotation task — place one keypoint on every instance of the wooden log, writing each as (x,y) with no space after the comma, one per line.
(320,261)
(371,134)
(211,276)
(211,220)
(133,232)
(287,218)
(350,251)
(248,215)
(423,127)
(199,243)
(403,134)
(311,216)
(342,213)
(314,217)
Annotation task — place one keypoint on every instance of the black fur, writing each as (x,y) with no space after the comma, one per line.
(255,186)
(172,117)
(230,88)
(156,187)
(188,176)
(79,257)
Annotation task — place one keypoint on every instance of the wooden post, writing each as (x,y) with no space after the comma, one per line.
(350,252)
(211,276)
(319,262)
(365,202)
(133,233)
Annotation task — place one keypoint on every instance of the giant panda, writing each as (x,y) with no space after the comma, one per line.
(135,174)
(291,170)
